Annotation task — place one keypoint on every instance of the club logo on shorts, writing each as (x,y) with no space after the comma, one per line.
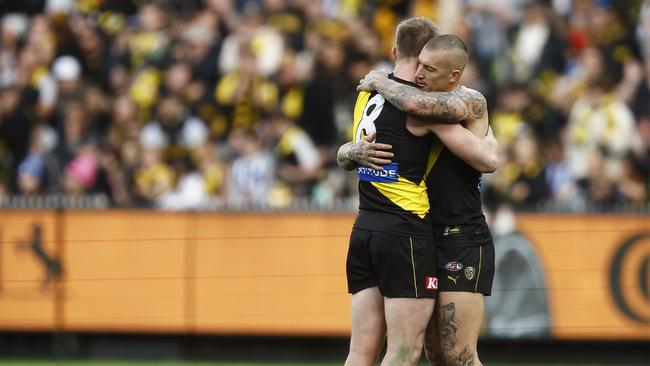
(432,283)
(454,266)
(469,272)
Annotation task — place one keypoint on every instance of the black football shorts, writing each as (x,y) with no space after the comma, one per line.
(466,268)
(402,267)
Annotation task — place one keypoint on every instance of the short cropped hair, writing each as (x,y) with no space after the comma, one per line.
(412,34)
(453,44)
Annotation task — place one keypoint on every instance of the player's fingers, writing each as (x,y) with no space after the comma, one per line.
(380,146)
(381,161)
(383,154)
(370,137)
(363,87)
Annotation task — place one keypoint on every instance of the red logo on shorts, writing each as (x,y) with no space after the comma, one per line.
(432,283)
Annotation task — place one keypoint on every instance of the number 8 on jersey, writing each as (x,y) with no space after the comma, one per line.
(365,124)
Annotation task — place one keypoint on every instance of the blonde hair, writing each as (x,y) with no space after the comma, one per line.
(412,34)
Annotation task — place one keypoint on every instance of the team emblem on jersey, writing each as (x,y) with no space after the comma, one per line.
(454,266)
(469,273)
(388,175)
(432,283)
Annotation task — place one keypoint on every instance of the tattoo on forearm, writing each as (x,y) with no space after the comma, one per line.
(356,152)
(343,157)
(444,107)
(449,107)
(448,328)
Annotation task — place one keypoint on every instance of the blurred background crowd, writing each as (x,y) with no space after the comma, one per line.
(181,104)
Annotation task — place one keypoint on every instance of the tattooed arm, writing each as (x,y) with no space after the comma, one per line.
(479,153)
(437,107)
(366,152)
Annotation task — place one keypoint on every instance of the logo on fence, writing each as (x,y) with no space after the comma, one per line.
(630,277)
(51,265)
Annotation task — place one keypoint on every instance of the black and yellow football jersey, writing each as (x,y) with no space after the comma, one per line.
(455,198)
(394,200)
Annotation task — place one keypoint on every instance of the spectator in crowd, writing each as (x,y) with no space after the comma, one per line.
(599,121)
(298,161)
(245,92)
(251,177)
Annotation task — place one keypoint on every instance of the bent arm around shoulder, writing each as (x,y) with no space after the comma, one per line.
(479,153)
(437,107)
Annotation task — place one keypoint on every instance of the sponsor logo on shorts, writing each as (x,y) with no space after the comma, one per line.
(432,283)
(388,175)
(469,272)
(454,266)
(451,230)
(451,278)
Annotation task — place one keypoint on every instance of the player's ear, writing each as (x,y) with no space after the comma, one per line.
(454,76)
(393,53)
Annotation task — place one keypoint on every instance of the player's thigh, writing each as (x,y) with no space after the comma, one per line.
(460,316)
(368,323)
(407,318)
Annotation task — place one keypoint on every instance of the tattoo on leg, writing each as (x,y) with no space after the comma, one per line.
(401,357)
(448,328)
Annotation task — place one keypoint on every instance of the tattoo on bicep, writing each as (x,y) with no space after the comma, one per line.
(448,328)
(475,102)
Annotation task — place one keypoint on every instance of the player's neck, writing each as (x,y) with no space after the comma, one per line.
(451,88)
(405,68)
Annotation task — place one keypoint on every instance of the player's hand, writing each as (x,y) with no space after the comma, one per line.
(369,82)
(369,153)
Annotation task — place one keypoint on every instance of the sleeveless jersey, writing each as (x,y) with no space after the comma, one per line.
(393,200)
(454,194)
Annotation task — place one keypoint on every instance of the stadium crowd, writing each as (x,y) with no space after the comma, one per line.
(177,103)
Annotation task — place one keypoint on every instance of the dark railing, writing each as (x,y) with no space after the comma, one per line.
(101,202)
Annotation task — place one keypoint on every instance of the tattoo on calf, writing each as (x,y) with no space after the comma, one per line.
(448,328)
